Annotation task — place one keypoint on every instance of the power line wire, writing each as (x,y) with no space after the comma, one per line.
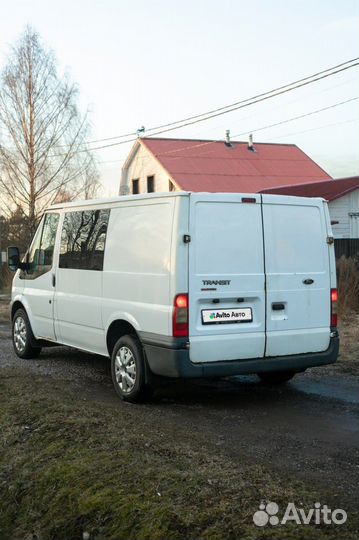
(298,117)
(242,104)
(315,128)
(264,93)
(229,108)
(252,102)
(225,106)
(207,143)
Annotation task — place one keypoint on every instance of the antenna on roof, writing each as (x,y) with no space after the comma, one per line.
(140,131)
(250,143)
(228,138)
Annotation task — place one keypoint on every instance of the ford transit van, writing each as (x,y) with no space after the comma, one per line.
(181,285)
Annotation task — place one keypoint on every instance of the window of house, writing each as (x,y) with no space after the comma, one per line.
(40,254)
(150,184)
(135,186)
(83,239)
(170,186)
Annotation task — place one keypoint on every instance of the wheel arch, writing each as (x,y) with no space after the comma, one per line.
(21,303)
(15,306)
(117,329)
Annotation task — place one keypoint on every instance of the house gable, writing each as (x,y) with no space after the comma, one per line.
(141,165)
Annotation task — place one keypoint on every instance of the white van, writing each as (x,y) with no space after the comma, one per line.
(181,285)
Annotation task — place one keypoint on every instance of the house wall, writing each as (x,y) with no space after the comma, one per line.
(142,165)
(346,211)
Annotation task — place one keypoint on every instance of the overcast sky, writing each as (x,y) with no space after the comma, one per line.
(151,62)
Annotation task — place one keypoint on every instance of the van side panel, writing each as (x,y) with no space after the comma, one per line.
(78,318)
(136,274)
(297,275)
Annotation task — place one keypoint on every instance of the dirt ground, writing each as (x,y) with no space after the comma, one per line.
(195,461)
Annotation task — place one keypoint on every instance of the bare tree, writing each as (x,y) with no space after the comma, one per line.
(43,155)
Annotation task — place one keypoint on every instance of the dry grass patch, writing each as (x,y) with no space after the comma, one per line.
(349,342)
(69,466)
(348,284)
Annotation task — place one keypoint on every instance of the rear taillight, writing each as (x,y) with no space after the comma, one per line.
(334,307)
(180,316)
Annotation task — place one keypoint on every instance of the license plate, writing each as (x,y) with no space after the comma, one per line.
(225,316)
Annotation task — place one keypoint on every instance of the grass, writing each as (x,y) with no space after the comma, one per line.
(69,466)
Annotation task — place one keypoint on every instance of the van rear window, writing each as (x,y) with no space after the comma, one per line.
(83,239)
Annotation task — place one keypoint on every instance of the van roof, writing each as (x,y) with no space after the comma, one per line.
(121,198)
(117,198)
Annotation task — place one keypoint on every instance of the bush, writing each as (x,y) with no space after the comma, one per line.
(348,284)
(5,278)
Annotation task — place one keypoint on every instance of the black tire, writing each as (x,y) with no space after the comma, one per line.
(276,377)
(128,369)
(22,337)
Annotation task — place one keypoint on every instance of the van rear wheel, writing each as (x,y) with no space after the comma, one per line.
(22,336)
(128,369)
(276,377)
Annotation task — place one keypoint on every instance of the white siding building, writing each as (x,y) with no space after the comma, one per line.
(345,211)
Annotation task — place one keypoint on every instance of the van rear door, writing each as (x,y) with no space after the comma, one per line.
(297,274)
(226,277)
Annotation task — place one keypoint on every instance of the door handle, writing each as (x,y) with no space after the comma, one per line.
(278,306)
(53,280)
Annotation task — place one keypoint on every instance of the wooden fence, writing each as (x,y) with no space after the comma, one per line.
(349,247)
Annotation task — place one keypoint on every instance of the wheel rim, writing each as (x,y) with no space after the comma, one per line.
(125,369)
(20,334)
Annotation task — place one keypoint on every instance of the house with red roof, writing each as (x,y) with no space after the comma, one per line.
(160,164)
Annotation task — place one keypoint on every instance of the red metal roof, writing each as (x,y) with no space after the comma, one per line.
(329,189)
(200,165)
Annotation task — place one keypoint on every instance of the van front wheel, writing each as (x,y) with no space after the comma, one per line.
(128,370)
(22,336)
(276,377)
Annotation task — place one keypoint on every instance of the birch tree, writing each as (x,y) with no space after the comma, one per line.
(43,154)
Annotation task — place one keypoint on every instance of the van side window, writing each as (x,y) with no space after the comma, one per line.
(41,252)
(83,239)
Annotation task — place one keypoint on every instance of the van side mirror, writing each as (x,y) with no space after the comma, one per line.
(13,259)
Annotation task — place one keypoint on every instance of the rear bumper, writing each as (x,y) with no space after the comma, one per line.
(171,359)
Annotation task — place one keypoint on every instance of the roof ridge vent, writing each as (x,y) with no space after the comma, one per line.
(250,143)
(228,139)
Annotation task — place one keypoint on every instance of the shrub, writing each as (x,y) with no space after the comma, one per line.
(348,284)
(5,278)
